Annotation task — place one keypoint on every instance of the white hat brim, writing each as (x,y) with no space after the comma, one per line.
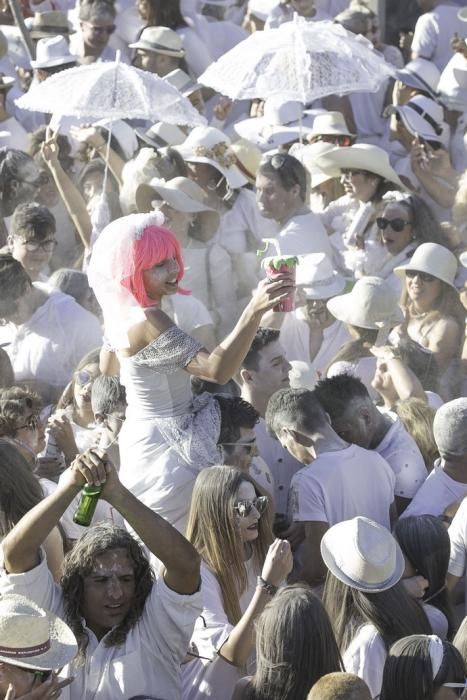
(420,267)
(363,159)
(333,567)
(463,258)
(324,291)
(52,62)
(234,177)
(415,123)
(344,309)
(176,199)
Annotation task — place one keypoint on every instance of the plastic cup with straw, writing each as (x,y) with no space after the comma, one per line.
(280,266)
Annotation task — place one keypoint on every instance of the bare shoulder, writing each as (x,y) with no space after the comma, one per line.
(145,332)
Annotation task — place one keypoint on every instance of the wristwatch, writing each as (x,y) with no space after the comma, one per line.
(269,588)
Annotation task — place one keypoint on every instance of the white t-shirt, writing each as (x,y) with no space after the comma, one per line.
(340,485)
(434,31)
(303,234)
(149,659)
(458,537)
(400,451)
(365,656)
(210,676)
(438,492)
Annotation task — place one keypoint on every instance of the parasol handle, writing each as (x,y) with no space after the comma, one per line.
(19,21)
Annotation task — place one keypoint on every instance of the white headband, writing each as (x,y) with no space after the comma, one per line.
(436,650)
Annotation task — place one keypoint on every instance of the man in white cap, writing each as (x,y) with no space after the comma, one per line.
(158,50)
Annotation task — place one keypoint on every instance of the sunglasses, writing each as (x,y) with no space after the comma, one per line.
(338,140)
(278,160)
(248,446)
(397,225)
(82,378)
(33,423)
(458,688)
(244,508)
(109,29)
(423,276)
(32,245)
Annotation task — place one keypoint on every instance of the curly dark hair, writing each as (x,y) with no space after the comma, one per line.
(236,413)
(263,337)
(78,564)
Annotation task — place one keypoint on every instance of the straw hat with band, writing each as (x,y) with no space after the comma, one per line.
(434,260)
(329,124)
(32,637)
(361,156)
(161,135)
(47,24)
(317,277)
(363,554)
(371,304)
(182,82)
(206,144)
(161,40)
(248,157)
(182,194)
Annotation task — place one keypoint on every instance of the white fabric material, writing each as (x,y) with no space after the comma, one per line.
(282,465)
(13,135)
(400,451)
(365,656)
(214,678)
(436,494)
(364,369)
(340,485)
(304,234)
(434,31)
(458,537)
(187,312)
(150,656)
(48,347)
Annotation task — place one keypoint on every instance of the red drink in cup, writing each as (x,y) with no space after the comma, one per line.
(283,266)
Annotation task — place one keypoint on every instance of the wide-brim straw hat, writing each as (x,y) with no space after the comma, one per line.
(361,156)
(47,24)
(182,194)
(363,554)
(161,135)
(206,144)
(248,158)
(371,304)
(330,124)
(435,260)
(32,637)
(316,276)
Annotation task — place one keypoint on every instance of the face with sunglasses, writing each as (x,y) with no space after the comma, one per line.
(423,289)
(395,227)
(82,385)
(248,508)
(32,252)
(30,431)
(97,31)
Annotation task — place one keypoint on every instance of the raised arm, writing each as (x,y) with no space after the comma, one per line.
(92,136)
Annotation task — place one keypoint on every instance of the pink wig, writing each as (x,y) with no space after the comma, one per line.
(154,246)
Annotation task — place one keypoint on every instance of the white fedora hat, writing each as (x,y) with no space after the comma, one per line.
(33,637)
(361,156)
(435,260)
(180,193)
(160,40)
(423,116)
(308,155)
(363,554)
(206,144)
(317,277)
(329,123)
(53,52)
(372,304)
(124,134)
(161,135)
(420,74)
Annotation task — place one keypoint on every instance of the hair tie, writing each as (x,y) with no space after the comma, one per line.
(436,650)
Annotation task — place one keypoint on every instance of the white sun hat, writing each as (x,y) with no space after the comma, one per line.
(329,124)
(372,303)
(124,134)
(316,276)
(363,554)
(206,144)
(308,155)
(435,260)
(423,116)
(420,74)
(33,637)
(53,52)
(248,158)
(361,156)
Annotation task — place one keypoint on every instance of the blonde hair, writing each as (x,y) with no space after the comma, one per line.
(212,529)
(447,305)
(417,417)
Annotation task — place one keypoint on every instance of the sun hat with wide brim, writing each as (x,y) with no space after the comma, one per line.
(206,144)
(182,194)
(316,276)
(308,155)
(371,304)
(435,260)
(361,156)
(50,23)
(363,554)
(33,637)
(420,74)
(422,116)
(248,158)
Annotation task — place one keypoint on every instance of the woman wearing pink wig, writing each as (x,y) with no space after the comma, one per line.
(168,435)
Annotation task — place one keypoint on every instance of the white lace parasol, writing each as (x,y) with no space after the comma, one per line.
(300,61)
(111,90)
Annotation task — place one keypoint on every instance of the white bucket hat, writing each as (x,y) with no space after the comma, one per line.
(435,260)
(372,304)
(423,116)
(308,155)
(53,52)
(420,74)
(363,554)
(361,156)
(317,277)
(33,637)
(329,123)
(206,144)
(182,194)
(283,121)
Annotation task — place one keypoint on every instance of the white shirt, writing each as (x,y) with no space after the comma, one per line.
(458,537)
(401,452)
(340,485)
(147,662)
(187,312)
(436,494)
(303,234)
(365,656)
(48,347)
(433,33)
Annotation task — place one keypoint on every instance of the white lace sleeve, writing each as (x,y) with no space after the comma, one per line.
(170,351)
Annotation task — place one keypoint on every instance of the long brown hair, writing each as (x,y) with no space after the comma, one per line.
(354,350)
(20,490)
(447,305)
(212,531)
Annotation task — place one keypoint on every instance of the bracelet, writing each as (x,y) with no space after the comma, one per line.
(268,588)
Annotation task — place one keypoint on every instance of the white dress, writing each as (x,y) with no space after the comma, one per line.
(168,435)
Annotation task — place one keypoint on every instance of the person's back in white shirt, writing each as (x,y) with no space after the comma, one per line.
(433,33)
(436,494)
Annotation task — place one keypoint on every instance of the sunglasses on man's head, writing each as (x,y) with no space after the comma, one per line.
(244,508)
(397,225)
(424,276)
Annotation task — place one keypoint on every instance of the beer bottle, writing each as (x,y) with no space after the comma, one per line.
(87,505)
